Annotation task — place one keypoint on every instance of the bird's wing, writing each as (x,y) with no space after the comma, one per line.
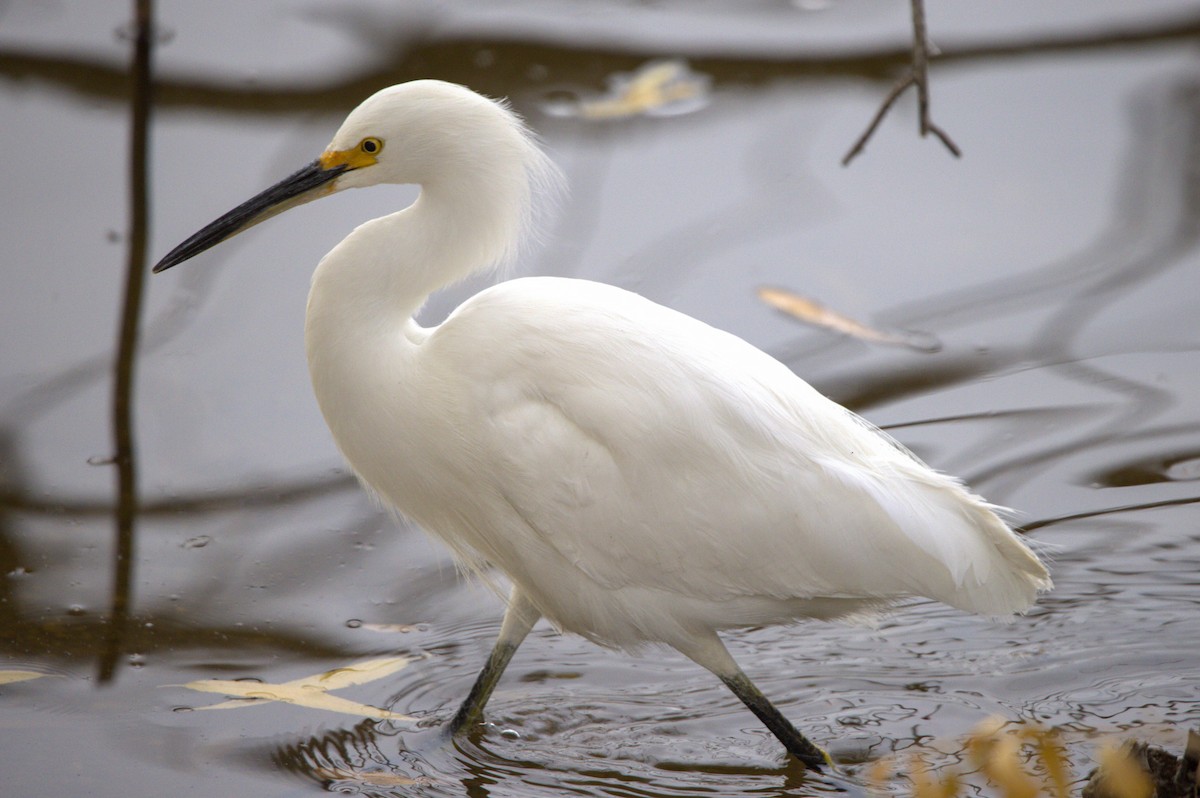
(644,447)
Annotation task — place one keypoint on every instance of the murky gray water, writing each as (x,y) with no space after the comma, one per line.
(1056,263)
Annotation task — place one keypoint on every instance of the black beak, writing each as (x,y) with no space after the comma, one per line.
(298,189)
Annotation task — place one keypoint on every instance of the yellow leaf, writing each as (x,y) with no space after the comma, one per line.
(1053,756)
(310,691)
(1122,775)
(361,672)
(813,312)
(370,778)
(926,785)
(390,628)
(8,677)
(653,87)
(300,695)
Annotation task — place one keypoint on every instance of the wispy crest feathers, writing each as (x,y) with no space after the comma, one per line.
(547,187)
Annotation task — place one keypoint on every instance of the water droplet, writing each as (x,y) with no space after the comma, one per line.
(510,734)
(354,623)
(198,542)
(137,660)
(101,460)
(75,610)
(182,709)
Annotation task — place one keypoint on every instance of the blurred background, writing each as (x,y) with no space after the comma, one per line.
(1023,317)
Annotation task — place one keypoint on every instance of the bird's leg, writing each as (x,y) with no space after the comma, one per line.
(711,653)
(518,620)
(796,743)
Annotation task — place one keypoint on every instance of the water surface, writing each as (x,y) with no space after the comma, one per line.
(1055,262)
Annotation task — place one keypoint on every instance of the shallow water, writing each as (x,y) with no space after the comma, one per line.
(1055,262)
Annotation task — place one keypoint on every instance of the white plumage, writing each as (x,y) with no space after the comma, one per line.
(640,476)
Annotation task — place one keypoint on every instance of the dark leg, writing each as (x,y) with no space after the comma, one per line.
(800,746)
(518,620)
(710,652)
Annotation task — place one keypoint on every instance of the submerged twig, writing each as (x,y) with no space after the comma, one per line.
(918,75)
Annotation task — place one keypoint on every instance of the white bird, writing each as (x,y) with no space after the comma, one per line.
(639,476)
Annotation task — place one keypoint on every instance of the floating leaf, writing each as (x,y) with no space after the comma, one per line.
(657,88)
(813,312)
(361,672)
(370,778)
(9,677)
(390,628)
(310,691)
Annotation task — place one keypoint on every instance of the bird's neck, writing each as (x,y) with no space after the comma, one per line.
(383,272)
(359,326)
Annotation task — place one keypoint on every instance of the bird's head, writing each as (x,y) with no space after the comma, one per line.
(402,134)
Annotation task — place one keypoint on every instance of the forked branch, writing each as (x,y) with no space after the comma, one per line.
(917,75)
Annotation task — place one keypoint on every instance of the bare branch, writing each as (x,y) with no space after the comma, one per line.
(944,137)
(891,98)
(917,75)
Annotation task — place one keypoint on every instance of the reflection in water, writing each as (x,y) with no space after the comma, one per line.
(223,500)
(353,761)
(1111,650)
(1156,225)
(368,759)
(509,64)
(1154,228)
(516,67)
(13,565)
(124,449)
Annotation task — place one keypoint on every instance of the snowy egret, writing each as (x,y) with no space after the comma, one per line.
(639,476)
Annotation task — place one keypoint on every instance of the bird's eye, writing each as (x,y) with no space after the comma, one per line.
(371,146)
